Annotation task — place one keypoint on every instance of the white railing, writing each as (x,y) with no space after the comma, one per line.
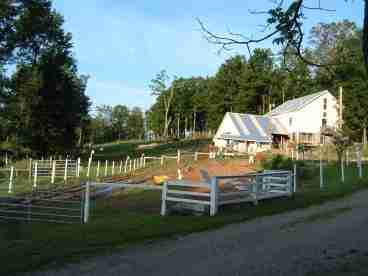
(224,190)
(46,205)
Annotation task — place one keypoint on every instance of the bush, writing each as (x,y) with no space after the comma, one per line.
(278,162)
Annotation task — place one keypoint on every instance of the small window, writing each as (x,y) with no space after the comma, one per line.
(324,122)
(290,121)
(324,114)
(324,104)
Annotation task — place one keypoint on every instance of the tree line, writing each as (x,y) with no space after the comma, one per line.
(111,123)
(265,80)
(43,106)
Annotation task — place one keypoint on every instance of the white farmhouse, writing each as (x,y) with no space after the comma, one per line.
(298,121)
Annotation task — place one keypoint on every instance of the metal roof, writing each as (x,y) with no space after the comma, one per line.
(296,104)
(253,127)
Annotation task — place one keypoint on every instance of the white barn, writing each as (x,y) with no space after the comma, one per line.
(299,120)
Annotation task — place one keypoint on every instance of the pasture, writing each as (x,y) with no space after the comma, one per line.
(132,215)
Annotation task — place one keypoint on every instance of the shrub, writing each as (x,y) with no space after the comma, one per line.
(278,162)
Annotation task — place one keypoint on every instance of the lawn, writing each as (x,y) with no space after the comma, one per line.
(120,150)
(133,216)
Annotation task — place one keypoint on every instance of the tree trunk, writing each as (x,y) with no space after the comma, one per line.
(166,127)
(80,137)
(194,122)
(178,122)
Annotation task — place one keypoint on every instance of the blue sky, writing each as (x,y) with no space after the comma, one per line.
(122,45)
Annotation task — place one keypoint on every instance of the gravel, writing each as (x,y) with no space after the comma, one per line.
(299,243)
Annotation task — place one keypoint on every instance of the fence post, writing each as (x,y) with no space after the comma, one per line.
(196,156)
(179,157)
(89,166)
(106,162)
(255,190)
(126,164)
(130,165)
(214,196)
(35,175)
(162,160)
(295,189)
(78,167)
(121,166)
(113,168)
(98,169)
(342,170)
(53,172)
(134,162)
(163,199)
(11,180)
(86,204)
(144,162)
(66,170)
(30,169)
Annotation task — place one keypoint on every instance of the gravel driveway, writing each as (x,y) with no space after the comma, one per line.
(303,242)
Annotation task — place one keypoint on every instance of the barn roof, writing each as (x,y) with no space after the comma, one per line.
(253,127)
(296,104)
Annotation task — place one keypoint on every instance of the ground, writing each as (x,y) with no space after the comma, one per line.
(330,239)
(132,216)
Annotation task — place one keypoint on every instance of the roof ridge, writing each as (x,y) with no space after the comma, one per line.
(309,98)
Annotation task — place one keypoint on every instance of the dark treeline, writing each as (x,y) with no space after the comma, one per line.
(265,80)
(116,123)
(43,106)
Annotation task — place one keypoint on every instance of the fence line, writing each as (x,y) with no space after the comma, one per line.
(216,193)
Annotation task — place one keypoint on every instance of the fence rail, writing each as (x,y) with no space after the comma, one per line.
(53,205)
(224,190)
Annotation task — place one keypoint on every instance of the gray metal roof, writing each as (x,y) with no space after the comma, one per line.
(296,104)
(254,127)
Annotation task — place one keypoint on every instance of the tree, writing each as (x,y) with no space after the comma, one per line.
(225,88)
(284,27)
(46,103)
(120,117)
(159,88)
(135,124)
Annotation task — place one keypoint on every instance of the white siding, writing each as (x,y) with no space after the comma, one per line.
(227,126)
(309,118)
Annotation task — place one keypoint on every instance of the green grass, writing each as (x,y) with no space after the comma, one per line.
(133,216)
(119,150)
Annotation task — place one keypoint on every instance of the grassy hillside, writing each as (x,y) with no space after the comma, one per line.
(133,216)
(119,150)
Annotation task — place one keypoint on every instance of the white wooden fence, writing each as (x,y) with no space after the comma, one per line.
(223,190)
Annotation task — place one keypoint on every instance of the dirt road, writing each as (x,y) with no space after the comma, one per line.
(332,238)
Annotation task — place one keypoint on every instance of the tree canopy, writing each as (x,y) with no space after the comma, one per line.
(266,79)
(44,101)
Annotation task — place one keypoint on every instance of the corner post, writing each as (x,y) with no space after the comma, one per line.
(214,196)
(86,203)
(163,199)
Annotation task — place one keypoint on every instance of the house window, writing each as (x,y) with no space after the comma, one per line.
(290,121)
(324,104)
(324,122)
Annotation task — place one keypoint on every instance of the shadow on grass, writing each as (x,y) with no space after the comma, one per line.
(133,217)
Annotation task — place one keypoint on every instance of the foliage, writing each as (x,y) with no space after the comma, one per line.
(44,106)
(261,82)
(116,123)
(278,162)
